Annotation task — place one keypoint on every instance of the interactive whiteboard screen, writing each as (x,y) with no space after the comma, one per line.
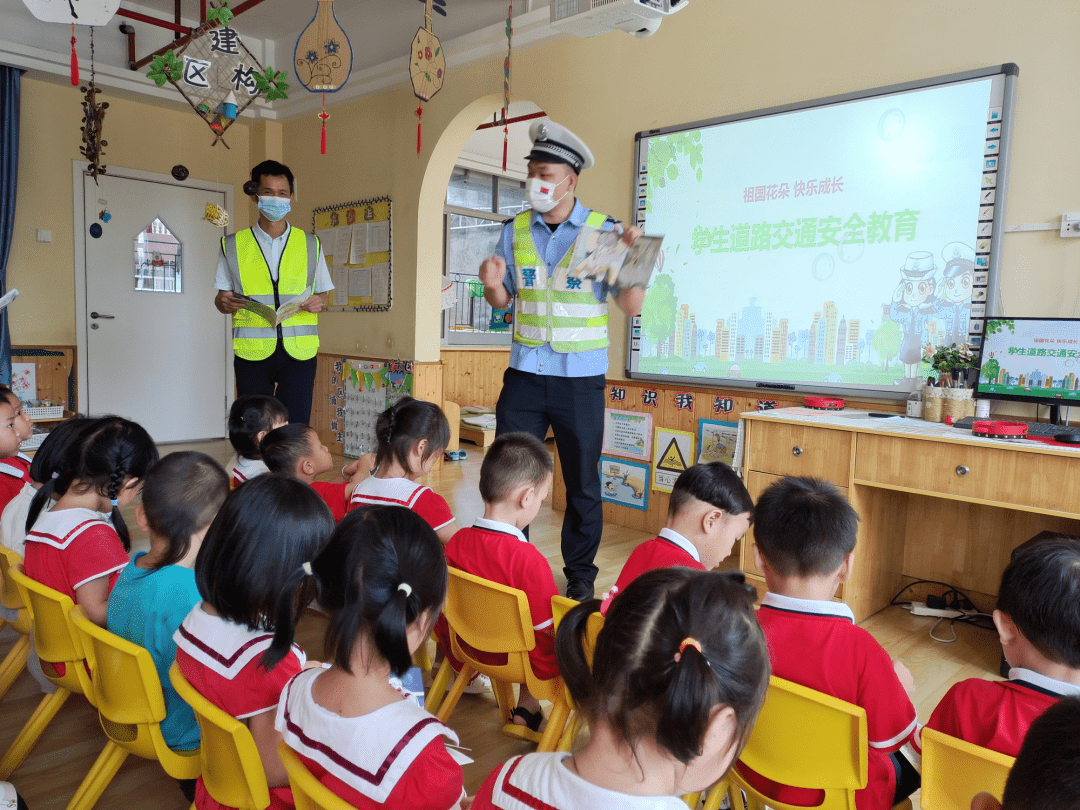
(828,246)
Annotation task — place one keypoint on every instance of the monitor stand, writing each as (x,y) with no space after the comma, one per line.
(1055,414)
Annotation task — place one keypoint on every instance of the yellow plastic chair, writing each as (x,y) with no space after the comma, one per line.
(130,707)
(308,792)
(15,661)
(954,771)
(56,642)
(495,618)
(807,739)
(232,771)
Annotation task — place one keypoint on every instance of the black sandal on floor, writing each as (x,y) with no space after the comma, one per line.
(532,719)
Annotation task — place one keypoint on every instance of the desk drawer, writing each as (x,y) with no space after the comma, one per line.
(1011,478)
(784,449)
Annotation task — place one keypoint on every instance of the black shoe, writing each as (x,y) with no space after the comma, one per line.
(579,589)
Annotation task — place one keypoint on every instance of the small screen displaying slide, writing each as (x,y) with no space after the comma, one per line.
(828,247)
(1030,358)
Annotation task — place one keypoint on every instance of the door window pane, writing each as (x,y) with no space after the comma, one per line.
(511,197)
(469,242)
(470,189)
(158,265)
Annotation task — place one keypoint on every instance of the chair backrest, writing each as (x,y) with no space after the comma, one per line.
(492,618)
(308,792)
(55,638)
(232,771)
(10,597)
(807,739)
(954,771)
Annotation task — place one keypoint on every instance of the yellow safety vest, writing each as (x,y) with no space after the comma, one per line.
(253,337)
(560,310)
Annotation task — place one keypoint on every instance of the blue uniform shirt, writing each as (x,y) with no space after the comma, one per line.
(551,247)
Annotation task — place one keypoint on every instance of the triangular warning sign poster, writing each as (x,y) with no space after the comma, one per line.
(672,460)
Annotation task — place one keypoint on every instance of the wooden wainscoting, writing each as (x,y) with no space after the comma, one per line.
(474,376)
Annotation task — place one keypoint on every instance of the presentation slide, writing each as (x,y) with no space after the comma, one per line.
(830,245)
(1031,358)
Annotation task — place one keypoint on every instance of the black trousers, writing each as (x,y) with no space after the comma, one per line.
(574,409)
(282,376)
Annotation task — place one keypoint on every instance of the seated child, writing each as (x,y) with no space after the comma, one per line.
(382,579)
(709,510)
(251,417)
(1038,622)
(297,452)
(804,533)
(180,497)
(514,480)
(412,435)
(14,466)
(1046,774)
(679,675)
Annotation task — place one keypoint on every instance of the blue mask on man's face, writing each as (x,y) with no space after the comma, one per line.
(275,208)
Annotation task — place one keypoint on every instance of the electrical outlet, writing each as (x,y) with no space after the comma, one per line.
(44,235)
(920,609)
(1070,225)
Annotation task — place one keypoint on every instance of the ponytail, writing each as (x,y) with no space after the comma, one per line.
(59,451)
(390,630)
(294,597)
(570,651)
(116,483)
(41,497)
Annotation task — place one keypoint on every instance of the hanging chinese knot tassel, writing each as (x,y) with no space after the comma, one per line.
(419,124)
(506,79)
(74,60)
(323,116)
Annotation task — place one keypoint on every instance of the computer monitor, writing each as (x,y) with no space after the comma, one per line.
(1031,360)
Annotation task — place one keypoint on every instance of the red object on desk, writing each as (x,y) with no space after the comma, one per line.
(994,429)
(824,403)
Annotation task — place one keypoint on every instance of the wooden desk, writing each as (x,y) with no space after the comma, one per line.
(935,502)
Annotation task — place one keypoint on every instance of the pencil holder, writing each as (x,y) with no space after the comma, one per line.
(933,400)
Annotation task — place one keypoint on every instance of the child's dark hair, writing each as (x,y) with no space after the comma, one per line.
(249,416)
(382,569)
(647,679)
(254,551)
(54,452)
(110,451)
(407,422)
(283,448)
(714,483)
(512,460)
(1046,774)
(180,497)
(9,396)
(804,527)
(1040,592)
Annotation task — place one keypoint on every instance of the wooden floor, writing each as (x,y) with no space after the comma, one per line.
(66,751)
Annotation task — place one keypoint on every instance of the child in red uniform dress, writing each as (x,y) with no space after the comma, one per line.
(268,529)
(678,677)
(709,510)
(515,478)
(14,466)
(251,417)
(1038,621)
(73,548)
(296,451)
(382,578)
(804,532)
(412,436)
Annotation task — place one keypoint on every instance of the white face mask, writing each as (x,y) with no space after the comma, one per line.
(541,194)
(274,208)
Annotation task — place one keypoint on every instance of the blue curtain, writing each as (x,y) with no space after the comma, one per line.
(9,171)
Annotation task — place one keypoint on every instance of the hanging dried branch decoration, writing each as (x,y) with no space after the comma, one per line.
(93,117)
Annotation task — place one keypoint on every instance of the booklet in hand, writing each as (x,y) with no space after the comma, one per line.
(603,255)
(274,317)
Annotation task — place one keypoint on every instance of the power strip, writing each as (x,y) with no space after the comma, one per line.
(920,609)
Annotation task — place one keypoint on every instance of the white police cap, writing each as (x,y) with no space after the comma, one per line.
(554,143)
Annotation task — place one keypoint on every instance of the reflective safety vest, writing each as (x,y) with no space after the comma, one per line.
(254,338)
(559,310)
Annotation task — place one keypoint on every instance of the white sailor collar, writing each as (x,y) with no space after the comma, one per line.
(811,607)
(1042,683)
(673,536)
(500,527)
(220,645)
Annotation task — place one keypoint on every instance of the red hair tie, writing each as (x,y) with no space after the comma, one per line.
(687,642)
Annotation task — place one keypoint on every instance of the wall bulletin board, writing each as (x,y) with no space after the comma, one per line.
(356,240)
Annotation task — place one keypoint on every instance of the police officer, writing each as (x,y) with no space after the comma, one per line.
(559,357)
(272,263)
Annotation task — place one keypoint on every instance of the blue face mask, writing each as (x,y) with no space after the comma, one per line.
(275,208)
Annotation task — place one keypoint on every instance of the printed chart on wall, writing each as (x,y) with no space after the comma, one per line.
(717,441)
(369,388)
(624,482)
(627,433)
(356,240)
(673,455)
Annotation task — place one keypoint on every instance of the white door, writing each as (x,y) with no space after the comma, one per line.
(156,348)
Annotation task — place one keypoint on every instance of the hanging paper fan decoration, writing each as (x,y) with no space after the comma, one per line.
(323,58)
(427,63)
(84,12)
(216,74)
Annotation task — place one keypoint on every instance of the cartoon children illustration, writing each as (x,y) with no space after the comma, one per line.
(912,304)
(954,308)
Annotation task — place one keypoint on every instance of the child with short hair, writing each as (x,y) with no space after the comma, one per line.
(515,478)
(266,532)
(156,591)
(14,466)
(676,683)
(804,542)
(297,451)
(80,546)
(709,510)
(251,417)
(1038,622)
(412,435)
(382,579)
